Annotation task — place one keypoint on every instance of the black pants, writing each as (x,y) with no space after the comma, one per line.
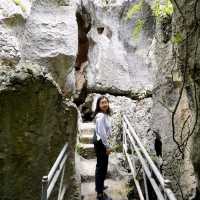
(101,166)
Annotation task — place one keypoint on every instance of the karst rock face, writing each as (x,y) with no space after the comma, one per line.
(117,63)
(39,42)
(188,14)
(177,94)
(167,87)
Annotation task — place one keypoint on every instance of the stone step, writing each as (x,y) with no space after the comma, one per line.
(88,125)
(87,169)
(117,190)
(87,131)
(87,128)
(86,138)
(86,150)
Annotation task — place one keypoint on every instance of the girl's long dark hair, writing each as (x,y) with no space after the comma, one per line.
(98,109)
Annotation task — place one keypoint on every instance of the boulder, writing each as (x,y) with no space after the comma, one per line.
(51,39)
(35,123)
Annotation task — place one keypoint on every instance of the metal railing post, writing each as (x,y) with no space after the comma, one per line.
(44,187)
(145,185)
(160,186)
(61,183)
(57,170)
(123,132)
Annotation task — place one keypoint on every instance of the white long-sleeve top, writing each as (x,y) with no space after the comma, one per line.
(103,128)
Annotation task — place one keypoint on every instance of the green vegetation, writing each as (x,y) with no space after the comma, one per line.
(134,9)
(118,148)
(162,10)
(138,28)
(159,10)
(19,3)
(177,38)
(79,149)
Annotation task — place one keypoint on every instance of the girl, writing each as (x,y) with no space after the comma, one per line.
(101,145)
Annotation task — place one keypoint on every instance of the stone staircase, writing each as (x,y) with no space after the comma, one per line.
(86,161)
(85,145)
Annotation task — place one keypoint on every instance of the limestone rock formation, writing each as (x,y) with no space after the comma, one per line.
(187,14)
(35,123)
(115,62)
(175,104)
(50,38)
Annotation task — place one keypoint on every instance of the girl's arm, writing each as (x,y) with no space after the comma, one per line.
(101,130)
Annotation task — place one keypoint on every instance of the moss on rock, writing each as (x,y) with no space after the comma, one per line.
(35,123)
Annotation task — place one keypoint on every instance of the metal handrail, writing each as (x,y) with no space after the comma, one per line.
(49,181)
(147,165)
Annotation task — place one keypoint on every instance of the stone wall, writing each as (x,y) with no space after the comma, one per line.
(168,84)
(187,14)
(35,124)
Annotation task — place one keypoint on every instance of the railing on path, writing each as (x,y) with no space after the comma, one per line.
(149,169)
(49,181)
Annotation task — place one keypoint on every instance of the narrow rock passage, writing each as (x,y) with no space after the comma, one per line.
(86,161)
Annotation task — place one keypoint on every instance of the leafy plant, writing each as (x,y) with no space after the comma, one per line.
(79,149)
(162,10)
(177,38)
(134,9)
(159,10)
(138,28)
(19,3)
(118,148)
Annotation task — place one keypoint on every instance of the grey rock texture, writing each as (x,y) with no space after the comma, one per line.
(119,66)
(115,63)
(11,9)
(43,32)
(188,14)
(51,39)
(170,81)
(165,96)
(35,123)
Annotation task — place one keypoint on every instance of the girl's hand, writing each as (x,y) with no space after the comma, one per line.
(108,151)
